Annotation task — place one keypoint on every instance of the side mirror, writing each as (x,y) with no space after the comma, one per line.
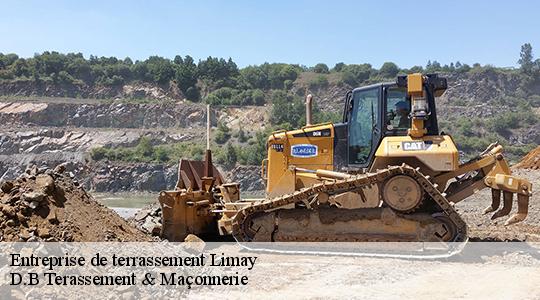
(437,84)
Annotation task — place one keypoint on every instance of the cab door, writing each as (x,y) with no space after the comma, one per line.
(364,125)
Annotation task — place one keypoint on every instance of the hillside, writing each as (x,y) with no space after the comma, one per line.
(128,134)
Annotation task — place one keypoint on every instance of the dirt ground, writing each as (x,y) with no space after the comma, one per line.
(482,228)
(487,275)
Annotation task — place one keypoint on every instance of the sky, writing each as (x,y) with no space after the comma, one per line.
(253,32)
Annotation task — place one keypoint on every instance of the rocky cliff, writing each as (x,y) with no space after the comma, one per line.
(142,90)
(46,132)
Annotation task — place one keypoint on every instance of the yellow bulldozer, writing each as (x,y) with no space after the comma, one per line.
(385,173)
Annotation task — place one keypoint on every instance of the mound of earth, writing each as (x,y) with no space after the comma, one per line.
(531,160)
(48,205)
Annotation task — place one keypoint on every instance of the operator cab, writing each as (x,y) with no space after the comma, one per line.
(374,112)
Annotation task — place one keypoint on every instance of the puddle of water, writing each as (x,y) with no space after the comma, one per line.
(127,204)
(126,200)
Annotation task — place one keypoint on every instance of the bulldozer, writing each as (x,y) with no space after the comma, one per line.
(384,174)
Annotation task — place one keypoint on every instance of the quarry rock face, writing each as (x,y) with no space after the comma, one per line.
(249,178)
(103,114)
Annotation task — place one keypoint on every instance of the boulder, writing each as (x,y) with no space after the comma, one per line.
(6,186)
(60,168)
(45,183)
(33,197)
(194,244)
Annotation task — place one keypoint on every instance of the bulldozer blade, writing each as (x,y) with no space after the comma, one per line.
(507,205)
(523,210)
(192,172)
(495,201)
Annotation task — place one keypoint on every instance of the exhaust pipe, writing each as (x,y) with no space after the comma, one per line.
(208,167)
(309,114)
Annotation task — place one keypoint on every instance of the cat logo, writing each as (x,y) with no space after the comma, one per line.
(415,146)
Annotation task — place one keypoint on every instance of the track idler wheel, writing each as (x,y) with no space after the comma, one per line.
(402,193)
(258,227)
(448,230)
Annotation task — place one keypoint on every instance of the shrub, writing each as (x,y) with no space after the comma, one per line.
(242,138)
(98,153)
(318,82)
(145,148)
(223,134)
(161,155)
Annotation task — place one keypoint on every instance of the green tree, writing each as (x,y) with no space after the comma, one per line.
(160,70)
(20,68)
(464,68)
(466,127)
(230,156)
(254,77)
(338,67)
(81,69)
(218,72)
(321,68)
(256,152)
(434,66)
(389,70)
(258,97)
(7,59)
(526,58)
(98,153)
(224,96)
(242,138)
(356,74)
(223,133)
(286,110)
(416,69)
(186,76)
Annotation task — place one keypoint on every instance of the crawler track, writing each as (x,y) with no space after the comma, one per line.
(245,231)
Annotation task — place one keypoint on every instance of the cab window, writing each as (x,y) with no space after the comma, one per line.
(362,124)
(398,108)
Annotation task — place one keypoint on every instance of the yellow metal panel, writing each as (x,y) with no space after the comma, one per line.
(281,156)
(437,152)
(415,85)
